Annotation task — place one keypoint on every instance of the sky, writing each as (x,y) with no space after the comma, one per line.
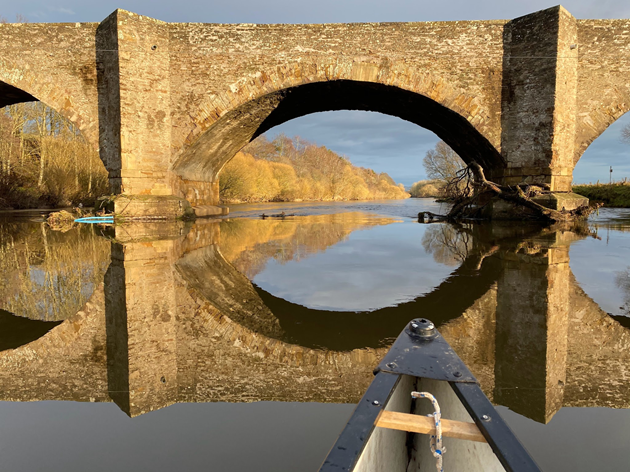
(381,142)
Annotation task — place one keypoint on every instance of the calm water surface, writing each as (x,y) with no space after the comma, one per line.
(244,343)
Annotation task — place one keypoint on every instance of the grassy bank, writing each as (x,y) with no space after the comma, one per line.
(612,195)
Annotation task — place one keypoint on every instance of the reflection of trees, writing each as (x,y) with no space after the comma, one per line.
(249,244)
(622,279)
(448,245)
(47,275)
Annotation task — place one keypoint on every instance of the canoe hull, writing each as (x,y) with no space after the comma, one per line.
(369,445)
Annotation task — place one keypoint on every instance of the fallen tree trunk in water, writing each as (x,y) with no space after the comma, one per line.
(476,195)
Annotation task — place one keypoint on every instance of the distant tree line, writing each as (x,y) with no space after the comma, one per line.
(45,161)
(288,169)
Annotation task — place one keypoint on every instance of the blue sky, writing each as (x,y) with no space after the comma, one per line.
(292,11)
(384,143)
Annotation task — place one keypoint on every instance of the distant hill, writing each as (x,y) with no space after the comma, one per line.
(285,170)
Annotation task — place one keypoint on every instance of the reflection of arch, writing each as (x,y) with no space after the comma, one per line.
(16,331)
(19,84)
(228,121)
(212,275)
(344,331)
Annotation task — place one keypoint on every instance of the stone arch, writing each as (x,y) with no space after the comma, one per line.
(20,84)
(226,122)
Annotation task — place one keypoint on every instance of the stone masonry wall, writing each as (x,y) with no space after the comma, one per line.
(457,65)
(208,60)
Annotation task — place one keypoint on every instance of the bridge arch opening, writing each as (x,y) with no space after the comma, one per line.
(608,149)
(10,95)
(206,156)
(45,159)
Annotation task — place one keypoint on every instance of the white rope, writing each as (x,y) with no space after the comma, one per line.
(436,439)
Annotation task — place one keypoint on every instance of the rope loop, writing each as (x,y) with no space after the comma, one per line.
(437,448)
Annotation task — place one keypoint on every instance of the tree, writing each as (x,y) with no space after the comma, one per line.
(44,159)
(442,163)
(625,134)
(427,188)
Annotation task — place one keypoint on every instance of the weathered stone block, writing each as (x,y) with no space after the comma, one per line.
(561,201)
(499,209)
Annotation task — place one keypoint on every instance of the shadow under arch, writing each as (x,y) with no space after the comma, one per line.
(10,95)
(16,331)
(455,117)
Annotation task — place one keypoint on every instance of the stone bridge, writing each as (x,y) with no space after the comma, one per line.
(156,333)
(168,104)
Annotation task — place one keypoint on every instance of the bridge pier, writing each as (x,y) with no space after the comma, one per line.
(135,124)
(539,99)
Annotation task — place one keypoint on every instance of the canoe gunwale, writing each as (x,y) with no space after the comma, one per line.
(350,444)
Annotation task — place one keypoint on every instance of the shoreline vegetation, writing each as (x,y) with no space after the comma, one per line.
(431,188)
(293,170)
(45,162)
(615,195)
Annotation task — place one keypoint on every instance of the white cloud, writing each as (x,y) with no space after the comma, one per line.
(66,11)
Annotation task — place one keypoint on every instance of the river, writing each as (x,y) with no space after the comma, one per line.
(243,343)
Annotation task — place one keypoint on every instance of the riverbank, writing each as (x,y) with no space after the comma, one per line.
(236,201)
(612,195)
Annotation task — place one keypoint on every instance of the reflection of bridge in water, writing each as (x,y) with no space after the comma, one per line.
(176,322)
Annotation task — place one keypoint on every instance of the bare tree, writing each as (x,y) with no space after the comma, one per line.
(625,134)
(447,244)
(442,163)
